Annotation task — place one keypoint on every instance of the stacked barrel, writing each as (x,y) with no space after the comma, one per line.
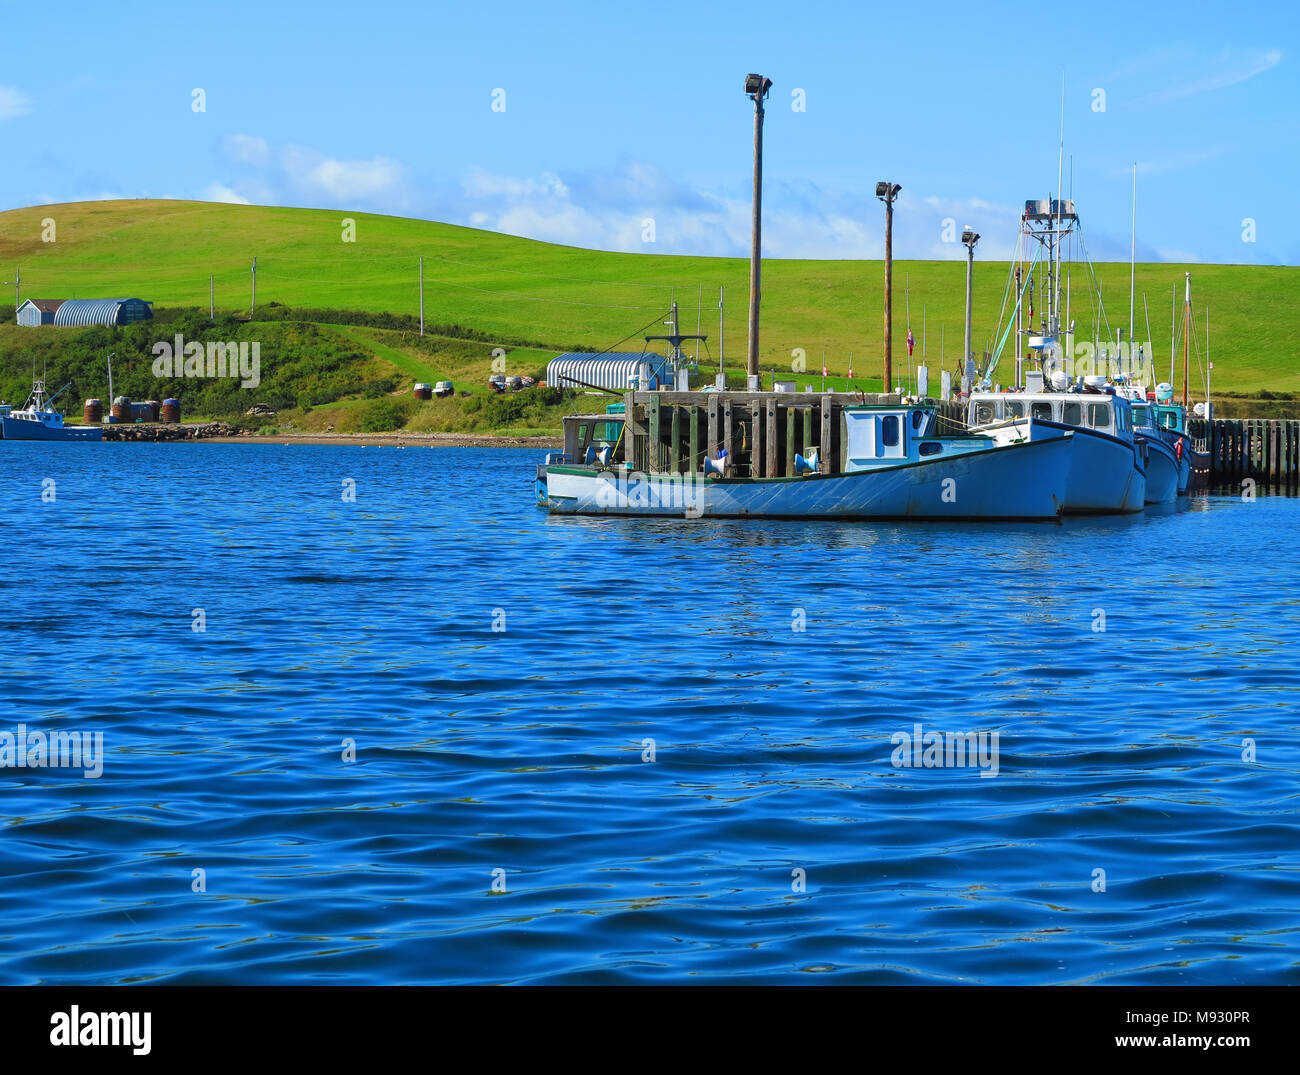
(94,412)
(171,410)
(423,390)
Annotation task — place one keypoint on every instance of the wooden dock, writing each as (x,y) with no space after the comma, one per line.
(1264,450)
(761,432)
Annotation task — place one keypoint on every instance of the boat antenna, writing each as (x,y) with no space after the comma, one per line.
(1173,331)
(1060,167)
(1132,264)
(1146,310)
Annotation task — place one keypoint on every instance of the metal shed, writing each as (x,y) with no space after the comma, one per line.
(35,312)
(618,370)
(102,312)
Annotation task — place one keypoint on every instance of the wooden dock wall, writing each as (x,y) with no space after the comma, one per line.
(673,432)
(1265,450)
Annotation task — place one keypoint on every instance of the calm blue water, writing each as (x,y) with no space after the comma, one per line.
(521,750)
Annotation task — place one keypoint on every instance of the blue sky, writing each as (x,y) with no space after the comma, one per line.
(615,113)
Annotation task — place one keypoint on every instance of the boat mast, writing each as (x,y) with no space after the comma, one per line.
(1173,331)
(1132,265)
(1187,325)
(1060,170)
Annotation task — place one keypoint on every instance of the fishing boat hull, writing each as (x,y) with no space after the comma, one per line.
(26,429)
(1106,474)
(1022,481)
(1164,470)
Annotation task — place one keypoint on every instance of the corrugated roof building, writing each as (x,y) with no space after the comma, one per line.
(617,370)
(102,312)
(36,312)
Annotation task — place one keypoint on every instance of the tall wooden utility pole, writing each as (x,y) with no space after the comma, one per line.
(887,192)
(756,87)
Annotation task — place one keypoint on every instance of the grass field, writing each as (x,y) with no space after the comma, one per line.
(164,251)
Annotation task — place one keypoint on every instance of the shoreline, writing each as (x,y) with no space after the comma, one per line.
(392,440)
(220,432)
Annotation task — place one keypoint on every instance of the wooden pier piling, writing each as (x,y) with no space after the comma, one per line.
(1265,450)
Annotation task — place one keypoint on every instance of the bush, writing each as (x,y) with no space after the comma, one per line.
(382,415)
(381,387)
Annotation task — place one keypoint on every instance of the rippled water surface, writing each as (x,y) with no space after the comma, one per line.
(521,750)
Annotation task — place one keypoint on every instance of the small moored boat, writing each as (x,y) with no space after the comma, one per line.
(895,467)
(38,420)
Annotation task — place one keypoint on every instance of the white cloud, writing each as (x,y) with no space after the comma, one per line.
(13,103)
(247,149)
(608,211)
(219,192)
(1230,69)
(310,176)
(1175,162)
(481,184)
(341,180)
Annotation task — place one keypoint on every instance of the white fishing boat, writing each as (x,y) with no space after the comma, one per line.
(38,420)
(1060,382)
(895,467)
(1105,465)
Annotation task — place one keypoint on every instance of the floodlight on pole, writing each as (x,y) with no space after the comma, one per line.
(887,192)
(756,88)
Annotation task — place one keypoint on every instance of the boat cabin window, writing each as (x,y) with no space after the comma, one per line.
(985,412)
(1169,419)
(918,419)
(1015,409)
(1098,416)
(1072,414)
(889,431)
(930,447)
(1140,416)
(1041,410)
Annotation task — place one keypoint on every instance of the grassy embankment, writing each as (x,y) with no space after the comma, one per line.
(483,289)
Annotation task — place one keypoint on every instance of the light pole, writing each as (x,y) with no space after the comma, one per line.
(756,88)
(969,238)
(887,192)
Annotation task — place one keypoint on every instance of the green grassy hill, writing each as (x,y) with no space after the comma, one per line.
(562,297)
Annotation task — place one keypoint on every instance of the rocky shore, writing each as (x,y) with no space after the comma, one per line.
(157,431)
(225,433)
